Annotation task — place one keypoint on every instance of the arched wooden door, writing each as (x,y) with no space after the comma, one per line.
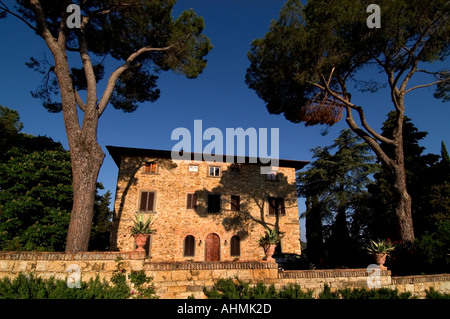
(212,247)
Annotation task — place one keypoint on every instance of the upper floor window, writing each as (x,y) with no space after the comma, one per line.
(235,203)
(214,171)
(276,206)
(150,167)
(213,203)
(191,201)
(193,168)
(272,176)
(147,201)
(235,170)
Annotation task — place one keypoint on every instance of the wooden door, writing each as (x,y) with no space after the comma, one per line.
(212,247)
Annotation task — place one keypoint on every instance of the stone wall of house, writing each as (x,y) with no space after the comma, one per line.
(184,279)
(174,221)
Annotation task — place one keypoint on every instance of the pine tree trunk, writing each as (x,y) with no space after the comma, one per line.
(396,163)
(403,209)
(86,165)
(86,157)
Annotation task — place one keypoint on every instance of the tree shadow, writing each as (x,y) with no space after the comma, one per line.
(254,197)
(128,175)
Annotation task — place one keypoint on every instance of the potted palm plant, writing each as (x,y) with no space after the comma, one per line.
(380,250)
(141,230)
(269,242)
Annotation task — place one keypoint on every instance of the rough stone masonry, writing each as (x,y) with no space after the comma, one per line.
(244,198)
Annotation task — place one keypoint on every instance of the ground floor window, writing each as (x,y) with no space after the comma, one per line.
(235,246)
(189,246)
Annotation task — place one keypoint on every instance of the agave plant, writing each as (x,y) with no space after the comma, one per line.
(142,225)
(380,247)
(272,237)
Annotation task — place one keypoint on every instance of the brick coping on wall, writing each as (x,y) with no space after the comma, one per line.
(327,273)
(207,265)
(132,255)
(108,255)
(420,279)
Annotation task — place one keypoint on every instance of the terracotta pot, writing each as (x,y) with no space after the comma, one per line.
(380,260)
(269,252)
(140,240)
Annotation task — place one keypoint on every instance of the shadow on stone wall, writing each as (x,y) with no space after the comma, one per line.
(252,194)
(129,175)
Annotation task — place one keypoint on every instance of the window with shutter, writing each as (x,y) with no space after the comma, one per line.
(276,206)
(235,203)
(191,201)
(150,167)
(213,203)
(147,203)
(189,246)
(272,205)
(282,208)
(235,246)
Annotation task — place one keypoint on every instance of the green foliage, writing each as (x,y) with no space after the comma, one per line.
(290,66)
(293,291)
(102,222)
(433,294)
(334,185)
(142,287)
(10,127)
(271,237)
(327,294)
(36,192)
(434,246)
(381,293)
(36,200)
(313,54)
(140,282)
(228,289)
(237,289)
(444,153)
(427,183)
(119,278)
(31,287)
(118,31)
(428,254)
(380,247)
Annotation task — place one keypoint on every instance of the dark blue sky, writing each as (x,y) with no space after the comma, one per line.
(219,96)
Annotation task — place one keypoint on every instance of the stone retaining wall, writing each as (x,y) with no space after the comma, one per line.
(184,279)
(24,255)
(334,278)
(418,284)
(48,264)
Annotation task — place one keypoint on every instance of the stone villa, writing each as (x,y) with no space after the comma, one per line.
(203,210)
